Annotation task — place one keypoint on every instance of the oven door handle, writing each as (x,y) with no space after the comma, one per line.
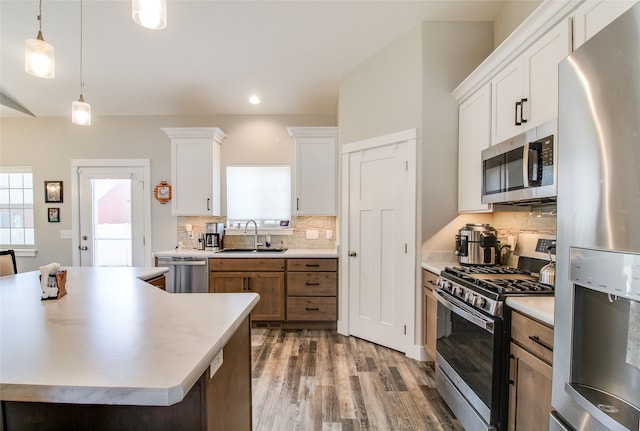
(462,311)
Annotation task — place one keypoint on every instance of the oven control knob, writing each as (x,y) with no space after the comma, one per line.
(456,290)
(479,302)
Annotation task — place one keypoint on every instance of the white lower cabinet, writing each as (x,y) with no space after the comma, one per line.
(474,136)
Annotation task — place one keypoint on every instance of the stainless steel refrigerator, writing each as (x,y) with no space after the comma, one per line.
(596,362)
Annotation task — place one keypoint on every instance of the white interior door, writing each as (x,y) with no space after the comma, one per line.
(381,244)
(112,219)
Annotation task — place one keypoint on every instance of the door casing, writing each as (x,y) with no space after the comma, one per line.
(408,290)
(75,200)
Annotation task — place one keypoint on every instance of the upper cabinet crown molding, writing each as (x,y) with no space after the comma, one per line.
(195,170)
(195,132)
(312,132)
(541,20)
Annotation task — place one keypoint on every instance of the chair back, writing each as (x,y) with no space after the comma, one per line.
(8,262)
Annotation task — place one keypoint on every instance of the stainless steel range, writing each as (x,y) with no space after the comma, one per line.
(473,332)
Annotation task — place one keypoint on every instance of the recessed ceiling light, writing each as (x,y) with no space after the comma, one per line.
(254,100)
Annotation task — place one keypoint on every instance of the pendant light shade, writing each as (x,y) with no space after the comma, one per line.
(81,112)
(150,13)
(38,54)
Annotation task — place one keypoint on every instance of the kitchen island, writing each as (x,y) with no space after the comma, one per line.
(118,353)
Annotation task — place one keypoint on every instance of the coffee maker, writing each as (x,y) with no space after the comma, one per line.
(213,236)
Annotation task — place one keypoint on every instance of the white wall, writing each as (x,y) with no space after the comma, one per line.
(510,16)
(384,94)
(408,85)
(48,144)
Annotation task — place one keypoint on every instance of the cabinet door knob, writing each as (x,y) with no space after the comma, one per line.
(353,254)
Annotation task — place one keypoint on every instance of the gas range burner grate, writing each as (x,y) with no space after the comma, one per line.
(516,286)
(478,269)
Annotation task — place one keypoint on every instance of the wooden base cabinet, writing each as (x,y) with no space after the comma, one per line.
(312,288)
(430,306)
(262,276)
(530,374)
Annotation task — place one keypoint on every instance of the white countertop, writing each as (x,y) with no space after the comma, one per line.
(113,339)
(289,253)
(149,273)
(539,307)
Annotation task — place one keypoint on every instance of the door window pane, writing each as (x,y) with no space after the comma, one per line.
(112,222)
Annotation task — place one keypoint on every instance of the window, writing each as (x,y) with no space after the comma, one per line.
(16,206)
(260,193)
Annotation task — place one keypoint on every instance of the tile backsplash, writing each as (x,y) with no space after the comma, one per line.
(540,219)
(324,225)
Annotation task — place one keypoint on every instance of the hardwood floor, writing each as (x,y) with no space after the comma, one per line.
(320,380)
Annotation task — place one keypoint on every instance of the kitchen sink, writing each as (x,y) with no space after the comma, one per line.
(251,250)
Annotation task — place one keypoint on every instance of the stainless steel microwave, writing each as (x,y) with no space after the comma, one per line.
(523,168)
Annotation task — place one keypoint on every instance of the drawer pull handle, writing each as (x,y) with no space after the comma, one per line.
(510,380)
(537,340)
(312,284)
(312,265)
(312,308)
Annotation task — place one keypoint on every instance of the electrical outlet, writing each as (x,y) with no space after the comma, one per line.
(329,234)
(190,234)
(215,364)
(312,234)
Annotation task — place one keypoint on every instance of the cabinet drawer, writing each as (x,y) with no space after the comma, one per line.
(246,264)
(318,308)
(312,283)
(429,279)
(312,264)
(533,336)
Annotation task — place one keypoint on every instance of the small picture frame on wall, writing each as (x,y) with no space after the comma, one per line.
(53,191)
(53,215)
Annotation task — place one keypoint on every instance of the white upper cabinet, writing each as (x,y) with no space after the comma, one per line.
(525,92)
(316,170)
(474,136)
(195,170)
(593,15)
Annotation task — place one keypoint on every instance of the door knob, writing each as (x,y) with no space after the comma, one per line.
(353,254)
(83,247)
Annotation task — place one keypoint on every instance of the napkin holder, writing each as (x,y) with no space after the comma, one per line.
(57,280)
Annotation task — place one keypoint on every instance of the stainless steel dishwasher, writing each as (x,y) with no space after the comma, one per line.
(186,274)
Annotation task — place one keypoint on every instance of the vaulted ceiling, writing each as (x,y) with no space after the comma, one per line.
(211,56)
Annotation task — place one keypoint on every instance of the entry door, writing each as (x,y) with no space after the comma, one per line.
(381,245)
(111,224)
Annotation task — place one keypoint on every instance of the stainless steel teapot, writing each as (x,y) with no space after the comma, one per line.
(548,272)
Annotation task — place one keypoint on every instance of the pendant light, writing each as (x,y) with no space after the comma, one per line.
(150,13)
(81,110)
(38,54)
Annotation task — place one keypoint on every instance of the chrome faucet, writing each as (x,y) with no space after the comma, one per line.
(255,238)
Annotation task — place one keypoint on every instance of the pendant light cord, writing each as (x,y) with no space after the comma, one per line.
(40,17)
(81,78)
